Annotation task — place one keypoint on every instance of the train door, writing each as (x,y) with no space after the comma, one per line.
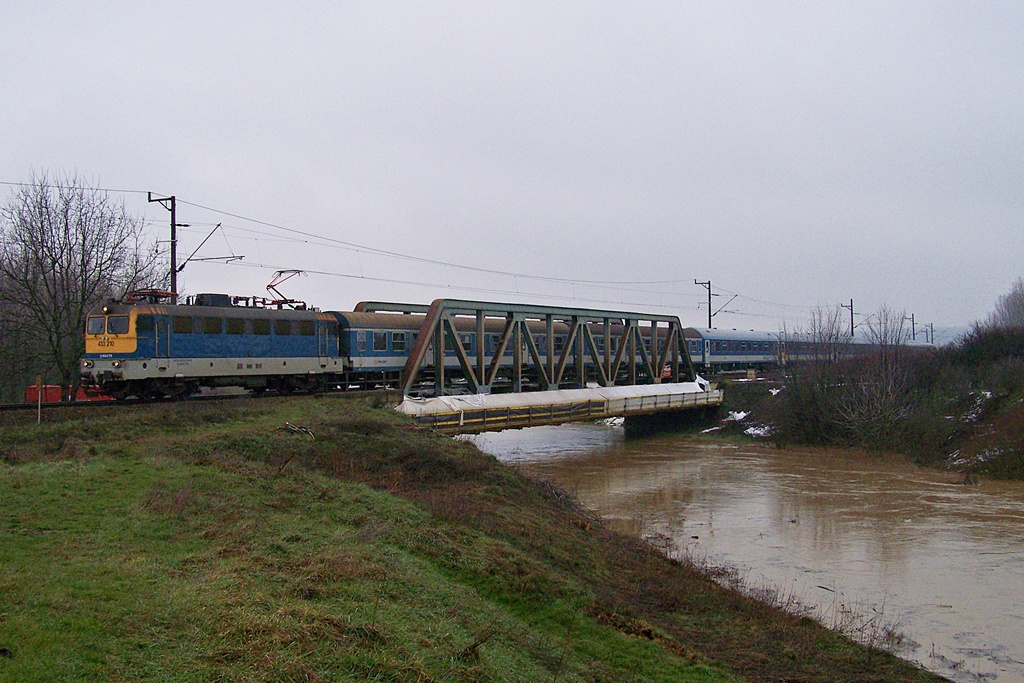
(161,339)
(707,352)
(323,342)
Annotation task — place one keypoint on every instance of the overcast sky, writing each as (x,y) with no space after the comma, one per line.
(795,154)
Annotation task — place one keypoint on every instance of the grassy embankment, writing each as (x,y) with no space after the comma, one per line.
(206,542)
(961,407)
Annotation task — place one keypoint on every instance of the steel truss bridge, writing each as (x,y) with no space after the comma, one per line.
(561,364)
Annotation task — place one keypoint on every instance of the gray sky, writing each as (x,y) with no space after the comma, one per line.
(796,154)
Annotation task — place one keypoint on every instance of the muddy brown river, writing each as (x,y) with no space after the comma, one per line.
(861,541)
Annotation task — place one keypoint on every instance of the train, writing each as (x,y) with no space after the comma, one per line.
(721,350)
(145,348)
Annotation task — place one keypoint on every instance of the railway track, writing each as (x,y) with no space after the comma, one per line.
(98,405)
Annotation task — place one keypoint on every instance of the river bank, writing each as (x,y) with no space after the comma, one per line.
(222,540)
(874,546)
(959,408)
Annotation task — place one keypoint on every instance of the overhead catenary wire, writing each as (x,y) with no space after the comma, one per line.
(441,285)
(314,239)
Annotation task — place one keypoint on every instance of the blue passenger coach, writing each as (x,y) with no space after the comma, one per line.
(718,349)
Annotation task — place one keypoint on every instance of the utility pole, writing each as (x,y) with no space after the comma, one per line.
(913,327)
(707,286)
(851,316)
(170,204)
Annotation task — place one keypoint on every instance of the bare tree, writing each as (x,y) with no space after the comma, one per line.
(878,397)
(836,396)
(64,248)
(1009,311)
(815,375)
(829,336)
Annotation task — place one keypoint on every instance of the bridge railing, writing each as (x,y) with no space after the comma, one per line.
(518,347)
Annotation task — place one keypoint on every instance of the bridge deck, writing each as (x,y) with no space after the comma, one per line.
(492,412)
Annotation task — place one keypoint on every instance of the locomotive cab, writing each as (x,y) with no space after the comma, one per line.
(110,339)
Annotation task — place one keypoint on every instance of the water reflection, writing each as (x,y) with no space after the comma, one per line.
(944,560)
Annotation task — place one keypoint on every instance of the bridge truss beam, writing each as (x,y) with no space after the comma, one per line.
(611,347)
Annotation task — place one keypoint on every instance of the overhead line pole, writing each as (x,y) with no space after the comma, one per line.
(851,315)
(707,286)
(170,204)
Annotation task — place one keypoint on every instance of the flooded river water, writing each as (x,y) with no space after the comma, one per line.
(845,534)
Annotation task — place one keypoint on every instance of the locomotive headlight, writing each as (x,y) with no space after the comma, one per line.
(86,363)
(105,309)
(116,363)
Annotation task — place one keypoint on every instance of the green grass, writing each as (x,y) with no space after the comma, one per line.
(202,542)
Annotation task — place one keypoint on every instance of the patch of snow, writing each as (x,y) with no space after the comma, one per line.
(711,429)
(774,392)
(614,421)
(759,431)
(737,415)
(989,454)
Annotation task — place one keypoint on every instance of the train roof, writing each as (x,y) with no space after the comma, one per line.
(142,308)
(380,321)
(718,334)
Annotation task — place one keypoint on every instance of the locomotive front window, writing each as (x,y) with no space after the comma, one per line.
(181,325)
(117,324)
(95,324)
(144,324)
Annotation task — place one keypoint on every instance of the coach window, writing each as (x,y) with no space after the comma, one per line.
(398,342)
(282,328)
(144,324)
(236,326)
(181,325)
(260,326)
(307,328)
(212,325)
(380,341)
(360,341)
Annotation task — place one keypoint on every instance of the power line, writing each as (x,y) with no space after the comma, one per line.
(318,240)
(420,259)
(485,290)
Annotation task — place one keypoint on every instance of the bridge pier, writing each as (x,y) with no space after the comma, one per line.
(647,424)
